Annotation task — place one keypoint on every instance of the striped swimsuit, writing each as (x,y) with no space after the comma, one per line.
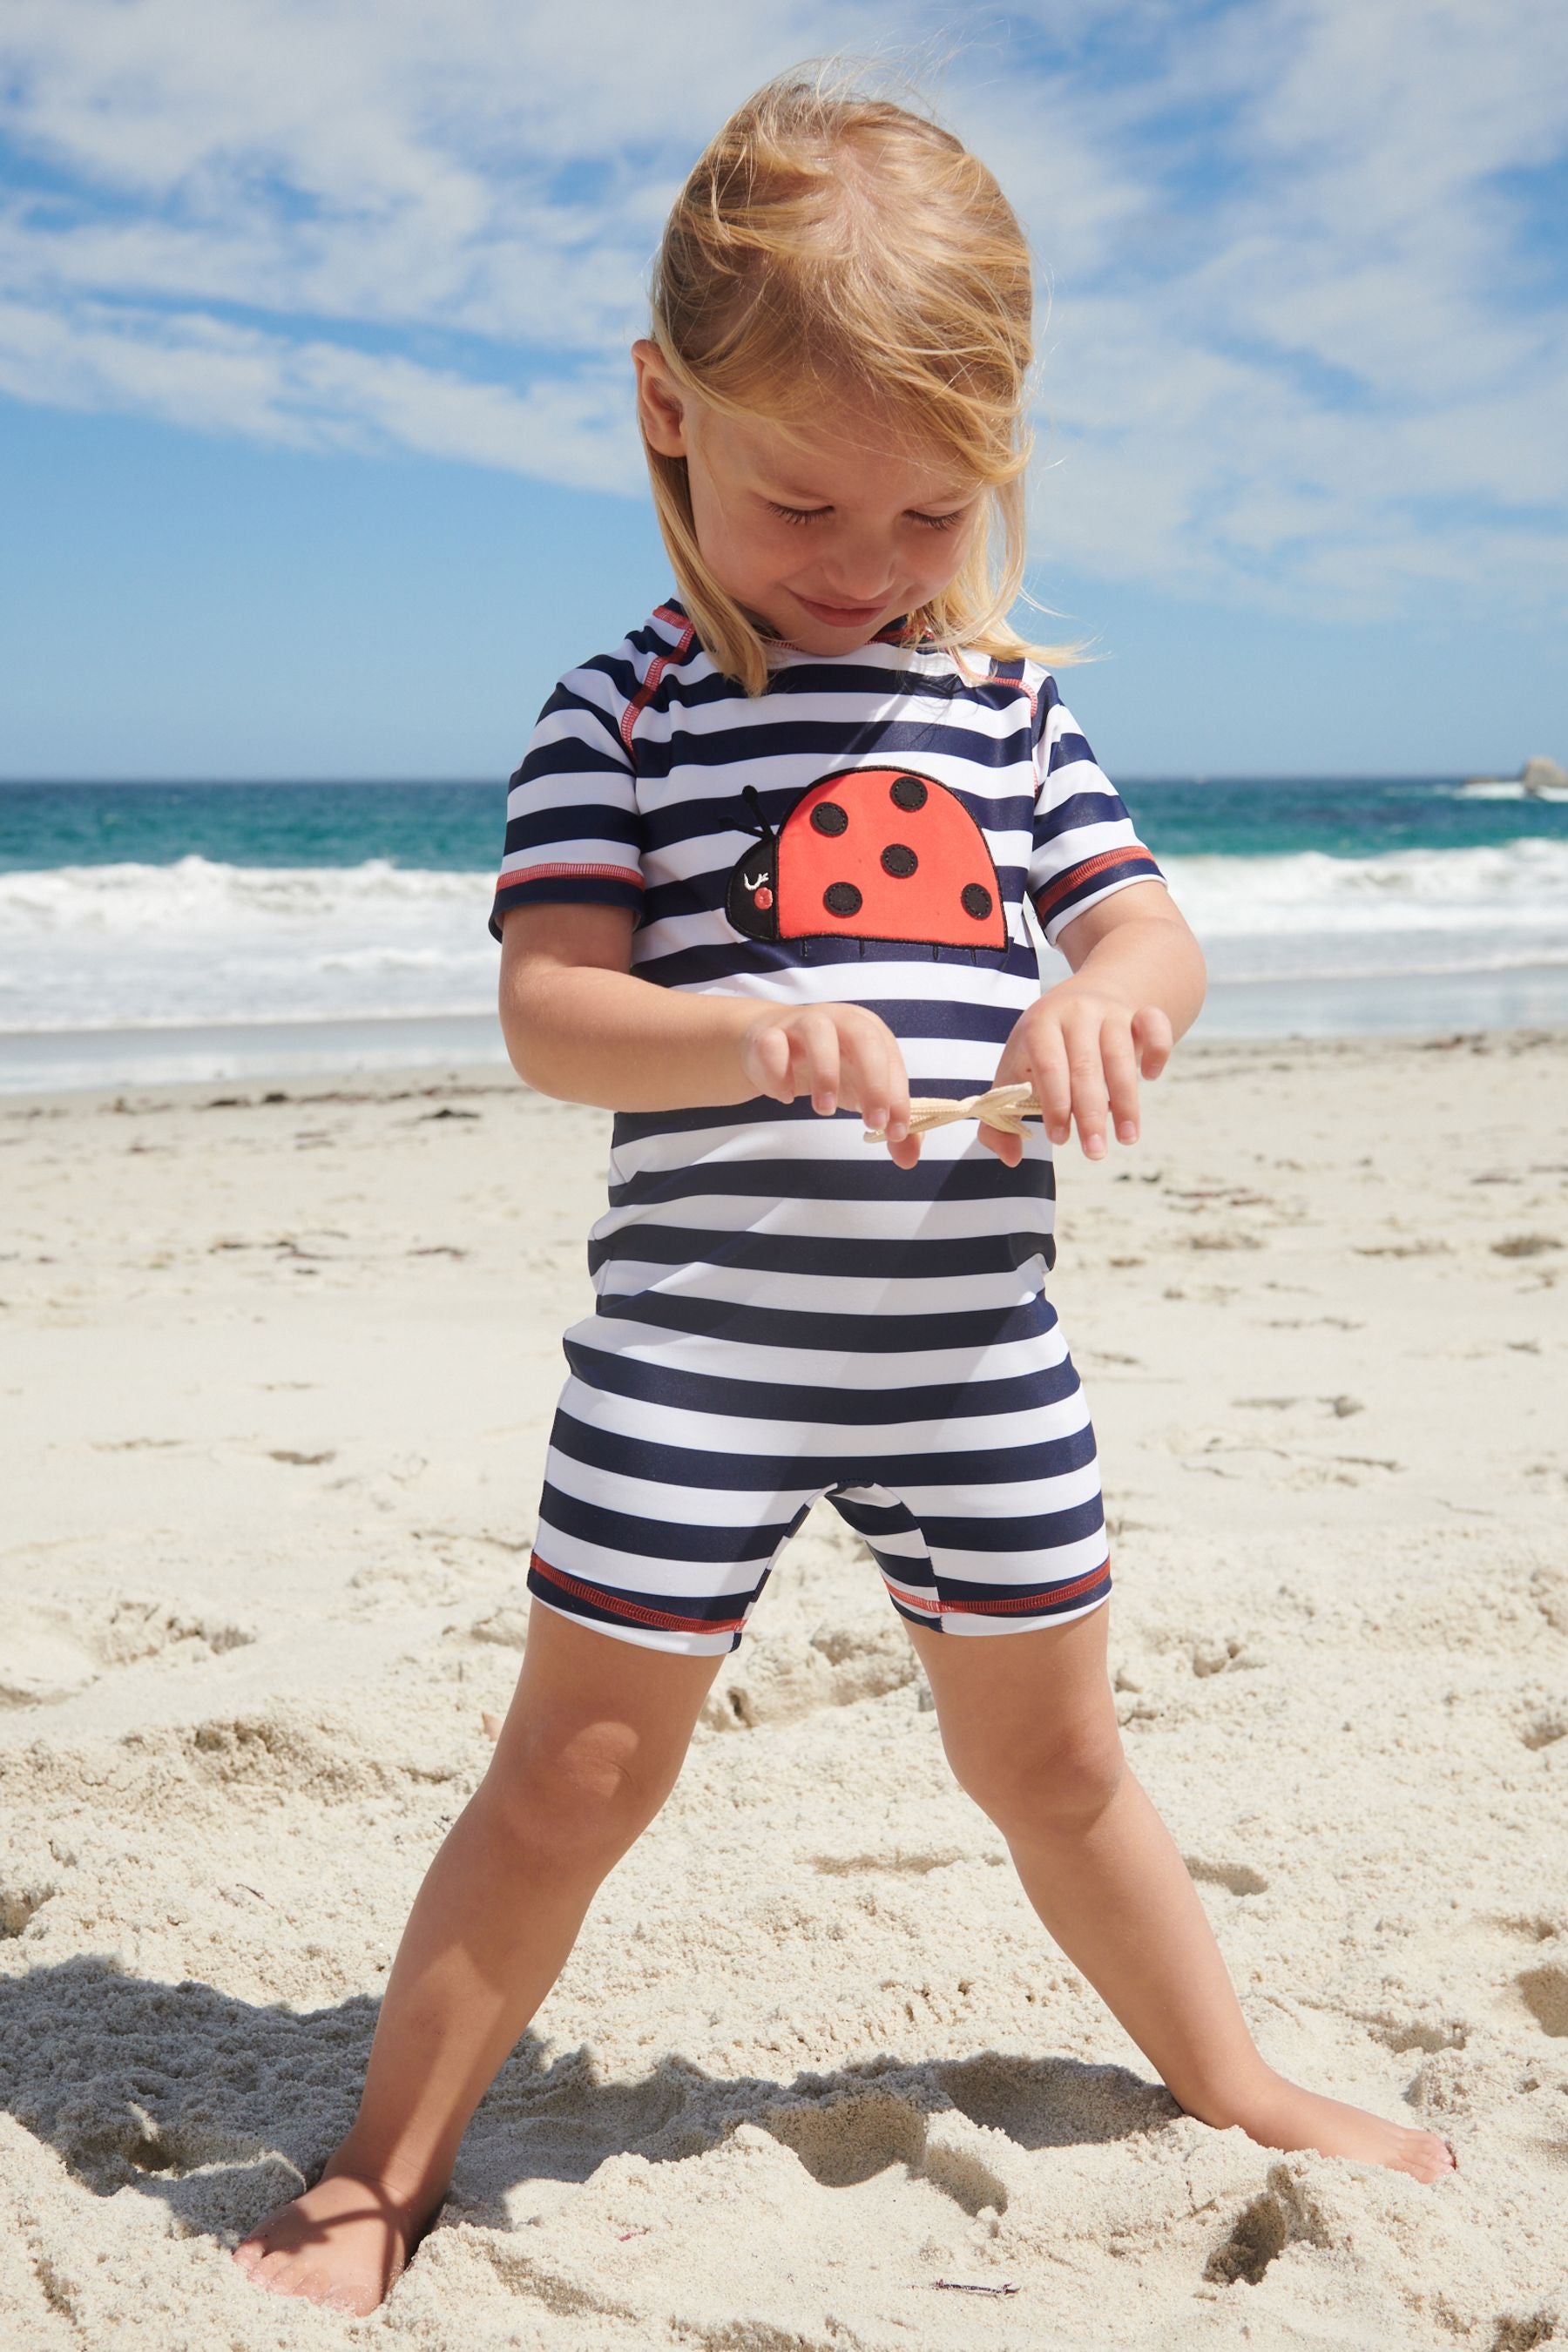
(780,1313)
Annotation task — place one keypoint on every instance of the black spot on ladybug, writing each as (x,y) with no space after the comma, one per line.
(841,898)
(975,900)
(828,817)
(907,792)
(897,859)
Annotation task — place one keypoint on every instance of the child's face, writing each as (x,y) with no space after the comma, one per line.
(891,521)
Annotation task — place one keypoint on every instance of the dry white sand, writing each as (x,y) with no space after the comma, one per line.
(277,1375)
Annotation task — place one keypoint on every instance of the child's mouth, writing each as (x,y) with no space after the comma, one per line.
(840,616)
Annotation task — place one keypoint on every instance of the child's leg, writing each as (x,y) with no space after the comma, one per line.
(1029,1728)
(591,1747)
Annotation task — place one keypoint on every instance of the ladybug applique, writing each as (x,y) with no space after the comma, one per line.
(870,853)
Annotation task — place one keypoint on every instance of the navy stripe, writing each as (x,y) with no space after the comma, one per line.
(840,742)
(1035,1531)
(749,1325)
(573,889)
(1068,747)
(737,1474)
(977,1177)
(658,1382)
(644,1538)
(603,731)
(699,967)
(815,1254)
(1082,808)
(592,820)
(705,816)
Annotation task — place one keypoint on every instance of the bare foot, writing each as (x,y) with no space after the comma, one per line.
(1284,2115)
(343,2243)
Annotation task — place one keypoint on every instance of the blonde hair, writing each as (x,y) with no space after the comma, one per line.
(840,239)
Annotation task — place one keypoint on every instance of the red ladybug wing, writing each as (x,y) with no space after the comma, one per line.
(893,856)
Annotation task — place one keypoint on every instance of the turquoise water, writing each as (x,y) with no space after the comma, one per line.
(457,827)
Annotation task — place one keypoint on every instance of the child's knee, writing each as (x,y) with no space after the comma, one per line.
(576,1799)
(1061,1777)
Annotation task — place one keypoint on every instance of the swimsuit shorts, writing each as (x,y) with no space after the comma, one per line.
(681,1463)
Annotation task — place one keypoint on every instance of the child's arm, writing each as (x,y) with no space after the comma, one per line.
(1137,985)
(581,1025)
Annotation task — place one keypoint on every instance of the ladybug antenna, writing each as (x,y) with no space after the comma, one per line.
(753,799)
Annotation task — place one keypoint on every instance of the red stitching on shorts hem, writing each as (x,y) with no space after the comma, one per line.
(1034,1601)
(665,1619)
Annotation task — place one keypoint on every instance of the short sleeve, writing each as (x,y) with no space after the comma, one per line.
(1084,845)
(571,826)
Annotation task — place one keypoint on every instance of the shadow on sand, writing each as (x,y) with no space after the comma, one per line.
(222,2108)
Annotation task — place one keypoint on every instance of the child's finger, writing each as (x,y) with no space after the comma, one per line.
(772,1061)
(874,1070)
(1009,1149)
(1090,1100)
(1120,1066)
(1152,1036)
(898,1098)
(818,1042)
(1053,1084)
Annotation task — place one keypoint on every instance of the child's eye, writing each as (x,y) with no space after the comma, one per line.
(812,514)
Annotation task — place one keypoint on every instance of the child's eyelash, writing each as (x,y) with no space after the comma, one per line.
(810,514)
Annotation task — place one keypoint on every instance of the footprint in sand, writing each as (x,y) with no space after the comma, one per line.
(19,1906)
(849,2140)
(1400,2034)
(778,1679)
(1235,1877)
(53,1651)
(1284,2215)
(894,1865)
(1545,1992)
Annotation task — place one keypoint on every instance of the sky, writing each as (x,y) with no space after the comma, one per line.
(318,454)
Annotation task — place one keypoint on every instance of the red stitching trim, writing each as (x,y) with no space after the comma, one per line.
(649,686)
(1001,1608)
(663,1618)
(1046,897)
(550,873)
(1022,685)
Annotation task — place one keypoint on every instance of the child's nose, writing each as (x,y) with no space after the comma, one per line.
(865,590)
(862,575)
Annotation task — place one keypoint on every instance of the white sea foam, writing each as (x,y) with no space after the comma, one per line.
(1409,910)
(132,946)
(112,946)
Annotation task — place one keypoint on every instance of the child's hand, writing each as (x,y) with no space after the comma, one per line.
(1082,1052)
(841,1054)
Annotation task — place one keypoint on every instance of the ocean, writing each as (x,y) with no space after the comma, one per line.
(217,931)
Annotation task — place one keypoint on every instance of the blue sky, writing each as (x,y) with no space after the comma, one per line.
(317,452)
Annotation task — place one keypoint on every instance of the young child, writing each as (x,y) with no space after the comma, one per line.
(764,873)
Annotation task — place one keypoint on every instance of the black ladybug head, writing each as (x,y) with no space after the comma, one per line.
(751,901)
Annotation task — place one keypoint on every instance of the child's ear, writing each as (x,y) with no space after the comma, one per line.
(661,406)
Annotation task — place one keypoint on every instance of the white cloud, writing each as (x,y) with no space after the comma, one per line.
(1293,351)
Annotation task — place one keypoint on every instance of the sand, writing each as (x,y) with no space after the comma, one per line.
(277,1366)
